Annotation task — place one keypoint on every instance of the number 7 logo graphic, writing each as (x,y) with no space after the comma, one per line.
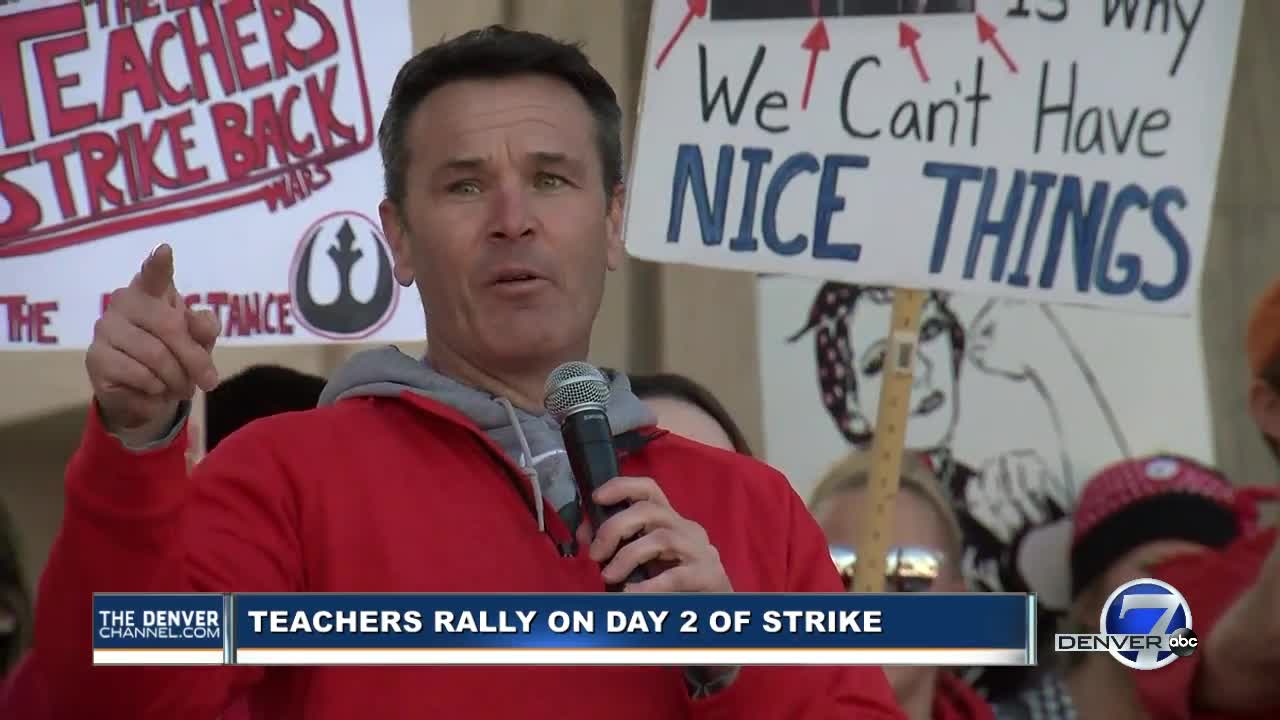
(1168,603)
(1119,618)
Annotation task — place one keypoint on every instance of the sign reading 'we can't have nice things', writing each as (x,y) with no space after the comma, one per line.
(1050,150)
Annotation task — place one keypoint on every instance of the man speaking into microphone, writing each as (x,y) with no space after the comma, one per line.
(504,198)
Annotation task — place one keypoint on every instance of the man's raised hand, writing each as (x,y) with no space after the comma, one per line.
(149,353)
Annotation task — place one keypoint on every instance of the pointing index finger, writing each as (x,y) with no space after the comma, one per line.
(156,277)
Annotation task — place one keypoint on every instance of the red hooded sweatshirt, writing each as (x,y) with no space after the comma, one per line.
(388,490)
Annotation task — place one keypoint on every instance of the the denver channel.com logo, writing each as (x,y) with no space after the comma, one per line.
(1146,624)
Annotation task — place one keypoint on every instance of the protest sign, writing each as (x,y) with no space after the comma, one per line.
(1051,150)
(243,134)
(1017,403)
(1014,404)
(1033,151)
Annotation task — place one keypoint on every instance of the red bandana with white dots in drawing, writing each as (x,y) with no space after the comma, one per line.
(828,316)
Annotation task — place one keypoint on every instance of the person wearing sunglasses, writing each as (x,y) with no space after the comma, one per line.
(924,557)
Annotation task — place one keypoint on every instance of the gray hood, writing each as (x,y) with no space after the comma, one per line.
(533,442)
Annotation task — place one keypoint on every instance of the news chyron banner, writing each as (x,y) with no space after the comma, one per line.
(565,629)
(161,629)
(1038,150)
(243,134)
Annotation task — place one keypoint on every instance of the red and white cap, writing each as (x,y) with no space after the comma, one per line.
(1125,483)
(1127,504)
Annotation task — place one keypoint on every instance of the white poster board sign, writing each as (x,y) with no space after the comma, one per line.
(1034,397)
(243,134)
(1015,403)
(1035,149)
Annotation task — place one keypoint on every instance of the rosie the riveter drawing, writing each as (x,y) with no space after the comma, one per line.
(1000,497)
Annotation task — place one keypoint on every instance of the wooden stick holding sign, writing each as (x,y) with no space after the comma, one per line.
(890,439)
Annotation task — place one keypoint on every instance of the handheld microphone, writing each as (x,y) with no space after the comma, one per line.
(577,396)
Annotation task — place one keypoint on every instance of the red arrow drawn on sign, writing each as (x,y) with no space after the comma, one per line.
(815,42)
(908,37)
(987,34)
(697,8)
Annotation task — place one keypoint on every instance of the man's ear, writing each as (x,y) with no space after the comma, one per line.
(1264,406)
(614,216)
(397,235)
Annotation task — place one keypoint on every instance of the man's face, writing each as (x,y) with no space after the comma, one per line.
(933,402)
(505,225)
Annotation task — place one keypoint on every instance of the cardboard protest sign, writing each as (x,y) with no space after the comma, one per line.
(241,133)
(1015,404)
(1039,395)
(1036,149)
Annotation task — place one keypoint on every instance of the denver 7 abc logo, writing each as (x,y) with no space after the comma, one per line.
(1146,624)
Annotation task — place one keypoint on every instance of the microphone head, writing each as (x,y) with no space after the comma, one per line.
(575,386)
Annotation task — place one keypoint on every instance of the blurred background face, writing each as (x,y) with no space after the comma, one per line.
(1264,406)
(505,226)
(915,524)
(688,420)
(1133,565)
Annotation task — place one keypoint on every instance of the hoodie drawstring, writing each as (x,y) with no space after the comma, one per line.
(526,461)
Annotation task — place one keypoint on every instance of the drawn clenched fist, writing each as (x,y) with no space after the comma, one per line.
(149,353)
(1014,491)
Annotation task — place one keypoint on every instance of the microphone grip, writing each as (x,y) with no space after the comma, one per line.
(588,441)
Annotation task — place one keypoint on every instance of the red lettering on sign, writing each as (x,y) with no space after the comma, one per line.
(134,92)
(28,322)
(62,119)
(55,156)
(127,72)
(215,47)
(240,314)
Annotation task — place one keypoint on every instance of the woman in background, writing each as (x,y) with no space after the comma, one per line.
(925,557)
(688,409)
